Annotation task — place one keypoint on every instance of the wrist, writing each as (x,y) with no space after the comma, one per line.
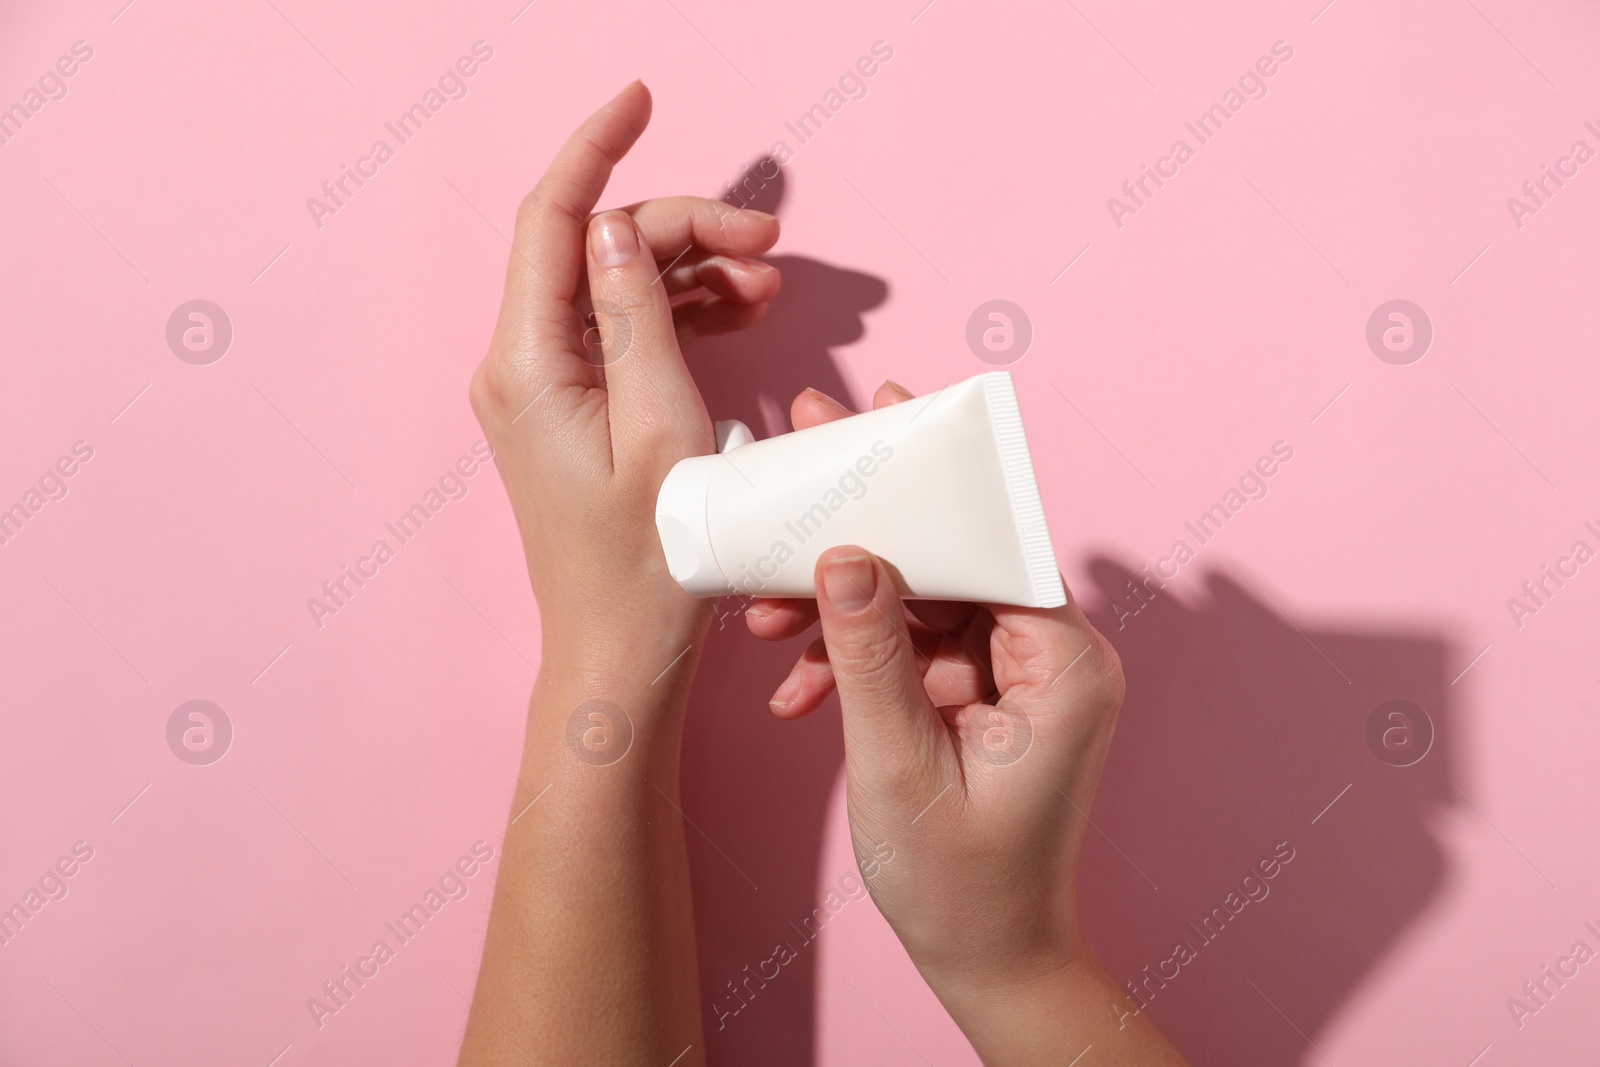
(1041,972)
(646,647)
(606,691)
(1029,1016)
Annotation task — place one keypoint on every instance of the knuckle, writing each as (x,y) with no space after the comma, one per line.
(599,148)
(540,203)
(659,431)
(613,330)
(531,207)
(478,394)
(496,389)
(1110,683)
(869,653)
(709,215)
(653,445)
(629,303)
(897,782)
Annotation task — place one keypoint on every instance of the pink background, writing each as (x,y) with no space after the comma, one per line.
(1226,315)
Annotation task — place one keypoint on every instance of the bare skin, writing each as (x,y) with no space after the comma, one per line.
(974,739)
(590,952)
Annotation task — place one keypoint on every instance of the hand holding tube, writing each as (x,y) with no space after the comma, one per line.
(974,739)
(978,763)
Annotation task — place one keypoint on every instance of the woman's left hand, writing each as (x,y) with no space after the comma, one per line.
(584,394)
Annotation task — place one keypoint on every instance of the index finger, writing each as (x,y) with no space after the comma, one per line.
(674,224)
(547,260)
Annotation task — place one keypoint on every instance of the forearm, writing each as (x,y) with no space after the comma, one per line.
(1053,1017)
(590,955)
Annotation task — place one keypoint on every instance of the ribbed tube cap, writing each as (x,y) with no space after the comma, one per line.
(685,536)
(681,519)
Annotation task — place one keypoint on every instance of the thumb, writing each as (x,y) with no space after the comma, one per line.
(893,736)
(645,376)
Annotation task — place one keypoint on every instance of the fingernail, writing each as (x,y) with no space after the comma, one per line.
(612,239)
(762,215)
(758,611)
(786,694)
(899,390)
(757,265)
(820,395)
(849,582)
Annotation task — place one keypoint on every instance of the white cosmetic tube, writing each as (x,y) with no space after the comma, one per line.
(941,488)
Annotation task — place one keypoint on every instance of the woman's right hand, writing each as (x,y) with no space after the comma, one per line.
(974,738)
